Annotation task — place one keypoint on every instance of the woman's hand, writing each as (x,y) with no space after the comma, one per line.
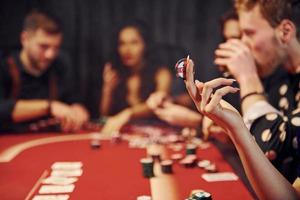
(116,122)
(110,78)
(208,99)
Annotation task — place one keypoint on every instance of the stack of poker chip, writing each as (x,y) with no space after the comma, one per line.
(202,195)
(191,149)
(155,157)
(166,166)
(95,144)
(143,197)
(176,157)
(189,161)
(147,164)
(208,166)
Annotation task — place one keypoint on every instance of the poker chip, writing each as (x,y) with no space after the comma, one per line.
(189,161)
(191,149)
(180,68)
(95,144)
(202,196)
(147,164)
(211,168)
(195,191)
(166,166)
(176,156)
(176,147)
(203,163)
(155,157)
(144,197)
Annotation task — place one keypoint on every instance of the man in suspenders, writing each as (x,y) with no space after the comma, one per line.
(34,84)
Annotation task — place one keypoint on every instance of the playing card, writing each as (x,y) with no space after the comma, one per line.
(67,173)
(51,197)
(221,176)
(55,189)
(56,180)
(66,165)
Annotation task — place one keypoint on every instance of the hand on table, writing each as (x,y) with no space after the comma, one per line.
(157,99)
(71,117)
(178,115)
(115,123)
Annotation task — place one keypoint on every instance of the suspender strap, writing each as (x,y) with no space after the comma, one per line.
(16,81)
(15,75)
(53,90)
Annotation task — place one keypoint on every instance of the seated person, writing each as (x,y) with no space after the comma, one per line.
(130,77)
(266,181)
(34,83)
(172,112)
(270,38)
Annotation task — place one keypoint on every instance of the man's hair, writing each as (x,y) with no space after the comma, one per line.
(274,10)
(41,20)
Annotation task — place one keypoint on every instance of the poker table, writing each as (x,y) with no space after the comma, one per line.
(112,171)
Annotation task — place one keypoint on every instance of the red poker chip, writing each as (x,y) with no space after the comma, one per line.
(180,68)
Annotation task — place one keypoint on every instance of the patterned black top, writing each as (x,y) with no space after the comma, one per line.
(277,134)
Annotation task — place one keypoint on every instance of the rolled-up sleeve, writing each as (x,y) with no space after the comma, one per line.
(258,110)
(6,109)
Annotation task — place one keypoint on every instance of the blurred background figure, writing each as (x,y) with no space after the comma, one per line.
(269,40)
(130,76)
(169,109)
(230,27)
(34,82)
(229,24)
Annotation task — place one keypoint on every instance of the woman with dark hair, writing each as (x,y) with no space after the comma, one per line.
(130,77)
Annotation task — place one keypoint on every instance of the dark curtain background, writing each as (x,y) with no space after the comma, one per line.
(88,25)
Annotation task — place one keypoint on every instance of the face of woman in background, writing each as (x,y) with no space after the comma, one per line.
(231,29)
(131,47)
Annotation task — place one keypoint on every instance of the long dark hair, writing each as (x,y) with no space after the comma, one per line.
(148,69)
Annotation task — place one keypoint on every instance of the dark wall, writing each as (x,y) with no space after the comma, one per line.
(88,25)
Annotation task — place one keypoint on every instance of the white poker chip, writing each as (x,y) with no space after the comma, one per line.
(204,163)
(191,157)
(176,156)
(143,197)
(146,160)
(166,162)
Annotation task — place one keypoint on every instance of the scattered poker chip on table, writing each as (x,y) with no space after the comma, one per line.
(147,164)
(203,163)
(195,191)
(95,144)
(144,197)
(176,156)
(191,149)
(211,168)
(201,196)
(166,166)
(189,161)
(155,157)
